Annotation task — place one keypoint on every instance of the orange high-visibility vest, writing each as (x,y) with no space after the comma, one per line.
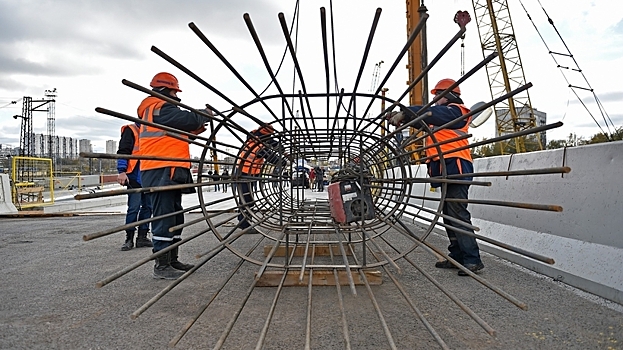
(132,162)
(250,163)
(154,142)
(447,134)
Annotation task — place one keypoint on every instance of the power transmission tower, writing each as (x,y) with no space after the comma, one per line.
(27,137)
(53,149)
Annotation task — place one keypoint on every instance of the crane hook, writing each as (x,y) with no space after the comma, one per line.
(462,18)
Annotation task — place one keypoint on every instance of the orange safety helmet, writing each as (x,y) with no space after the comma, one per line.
(166,80)
(444,84)
(266,129)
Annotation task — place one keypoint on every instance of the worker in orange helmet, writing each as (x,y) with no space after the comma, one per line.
(260,146)
(139,204)
(448,107)
(155,173)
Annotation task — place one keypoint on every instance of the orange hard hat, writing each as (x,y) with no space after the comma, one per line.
(444,84)
(166,80)
(266,129)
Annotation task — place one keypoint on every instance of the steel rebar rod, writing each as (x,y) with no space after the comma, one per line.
(308,320)
(347,267)
(407,298)
(540,171)
(174,283)
(203,218)
(297,67)
(273,305)
(231,68)
(495,242)
(151,257)
(99,234)
(205,306)
(533,206)
(408,233)
(474,316)
(340,300)
(113,193)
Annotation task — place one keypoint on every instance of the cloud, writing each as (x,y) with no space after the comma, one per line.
(615,96)
(94,127)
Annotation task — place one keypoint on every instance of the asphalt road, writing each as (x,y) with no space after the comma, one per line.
(49,300)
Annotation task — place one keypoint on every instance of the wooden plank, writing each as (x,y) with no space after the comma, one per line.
(319,278)
(25,190)
(320,250)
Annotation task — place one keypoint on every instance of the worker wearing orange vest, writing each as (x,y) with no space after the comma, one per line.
(155,173)
(259,147)
(463,248)
(139,204)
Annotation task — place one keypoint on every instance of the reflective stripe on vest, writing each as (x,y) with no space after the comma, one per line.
(132,162)
(251,163)
(154,142)
(447,134)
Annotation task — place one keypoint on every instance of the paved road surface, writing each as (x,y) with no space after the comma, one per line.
(49,300)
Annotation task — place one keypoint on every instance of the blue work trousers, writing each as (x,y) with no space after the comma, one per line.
(163,203)
(245,196)
(463,248)
(139,206)
(166,202)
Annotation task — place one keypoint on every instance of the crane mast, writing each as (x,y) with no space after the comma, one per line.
(417,56)
(496,33)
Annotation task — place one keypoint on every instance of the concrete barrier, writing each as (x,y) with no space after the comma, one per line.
(584,239)
(6,202)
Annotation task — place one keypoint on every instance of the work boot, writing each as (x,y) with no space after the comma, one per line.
(473,268)
(177,264)
(129,241)
(445,265)
(163,268)
(142,240)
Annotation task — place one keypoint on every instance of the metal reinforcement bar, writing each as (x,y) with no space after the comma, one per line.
(301,223)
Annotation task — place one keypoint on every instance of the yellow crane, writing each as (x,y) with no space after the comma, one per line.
(416,62)
(496,33)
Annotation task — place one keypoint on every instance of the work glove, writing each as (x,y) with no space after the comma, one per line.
(198,131)
(395,118)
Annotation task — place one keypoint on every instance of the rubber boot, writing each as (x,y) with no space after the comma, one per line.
(129,241)
(163,268)
(142,240)
(177,264)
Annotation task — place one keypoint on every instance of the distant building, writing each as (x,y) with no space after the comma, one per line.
(62,147)
(540,119)
(84,145)
(111,146)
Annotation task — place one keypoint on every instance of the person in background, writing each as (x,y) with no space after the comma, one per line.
(210,177)
(225,177)
(463,248)
(139,204)
(253,153)
(312,179)
(319,179)
(286,178)
(156,173)
(216,177)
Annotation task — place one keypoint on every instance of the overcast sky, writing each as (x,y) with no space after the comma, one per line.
(85,48)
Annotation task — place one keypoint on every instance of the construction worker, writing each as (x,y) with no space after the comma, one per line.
(155,173)
(463,248)
(139,204)
(253,153)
